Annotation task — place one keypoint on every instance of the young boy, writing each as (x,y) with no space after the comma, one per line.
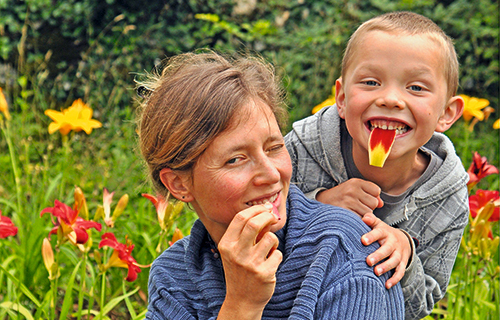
(399,74)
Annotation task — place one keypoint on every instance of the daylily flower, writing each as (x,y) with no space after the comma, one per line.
(80,204)
(473,107)
(176,236)
(328,102)
(121,256)
(69,225)
(496,124)
(165,211)
(479,169)
(107,198)
(48,260)
(7,228)
(480,200)
(77,117)
(4,107)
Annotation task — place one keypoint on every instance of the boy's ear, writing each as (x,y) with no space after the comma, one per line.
(340,98)
(177,183)
(451,113)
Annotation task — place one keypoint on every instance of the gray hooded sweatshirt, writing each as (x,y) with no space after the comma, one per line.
(434,211)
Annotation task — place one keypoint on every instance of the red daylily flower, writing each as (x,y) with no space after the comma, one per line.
(161,206)
(7,228)
(479,169)
(481,199)
(69,223)
(121,256)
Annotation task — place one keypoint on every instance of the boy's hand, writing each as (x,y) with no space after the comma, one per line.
(394,245)
(357,195)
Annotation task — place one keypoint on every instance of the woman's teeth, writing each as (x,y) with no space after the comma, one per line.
(262,201)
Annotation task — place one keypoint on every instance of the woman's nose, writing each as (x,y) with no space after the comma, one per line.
(266,172)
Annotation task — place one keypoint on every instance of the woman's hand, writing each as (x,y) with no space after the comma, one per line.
(357,195)
(394,244)
(250,259)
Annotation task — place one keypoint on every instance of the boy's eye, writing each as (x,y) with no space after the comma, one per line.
(416,88)
(370,83)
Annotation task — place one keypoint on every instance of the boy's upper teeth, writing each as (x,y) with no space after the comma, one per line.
(399,127)
(262,201)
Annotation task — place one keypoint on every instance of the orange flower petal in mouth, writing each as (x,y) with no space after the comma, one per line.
(380,145)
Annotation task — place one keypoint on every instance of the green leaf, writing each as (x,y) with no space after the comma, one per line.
(68,297)
(21,286)
(113,302)
(17,307)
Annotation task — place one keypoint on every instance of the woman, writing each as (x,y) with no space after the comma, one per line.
(210,135)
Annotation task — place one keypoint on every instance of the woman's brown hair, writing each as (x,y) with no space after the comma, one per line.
(193,100)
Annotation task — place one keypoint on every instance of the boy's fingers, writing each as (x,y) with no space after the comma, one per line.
(380,254)
(397,276)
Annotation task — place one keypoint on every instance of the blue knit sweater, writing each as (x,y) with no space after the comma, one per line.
(323,274)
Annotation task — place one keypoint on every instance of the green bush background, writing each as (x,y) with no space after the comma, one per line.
(53,52)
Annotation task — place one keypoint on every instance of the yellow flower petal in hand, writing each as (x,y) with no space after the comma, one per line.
(473,107)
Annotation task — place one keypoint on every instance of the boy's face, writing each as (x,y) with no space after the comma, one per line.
(396,81)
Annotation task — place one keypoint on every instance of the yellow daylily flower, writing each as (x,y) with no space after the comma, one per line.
(328,102)
(4,107)
(473,107)
(77,117)
(496,124)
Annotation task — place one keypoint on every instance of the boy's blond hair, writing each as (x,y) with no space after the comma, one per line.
(409,23)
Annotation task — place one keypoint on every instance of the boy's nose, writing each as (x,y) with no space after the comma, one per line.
(390,98)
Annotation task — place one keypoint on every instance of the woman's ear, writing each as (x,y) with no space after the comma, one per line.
(177,183)
(340,98)
(451,113)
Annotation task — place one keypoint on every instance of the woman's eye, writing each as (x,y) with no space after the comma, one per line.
(232,161)
(416,88)
(276,147)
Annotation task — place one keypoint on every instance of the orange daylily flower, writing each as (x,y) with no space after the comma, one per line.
(77,117)
(176,236)
(121,256)
(473,107)
(496,124)
(69,225)
(7,228)
(479,169)
(4,107)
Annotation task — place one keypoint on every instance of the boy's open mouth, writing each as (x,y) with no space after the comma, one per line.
(400,127)
(382,136)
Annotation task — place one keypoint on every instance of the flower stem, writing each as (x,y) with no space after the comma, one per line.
(17,178)
(103,290)
(82,286)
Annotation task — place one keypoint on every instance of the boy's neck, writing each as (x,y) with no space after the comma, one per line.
(397,175)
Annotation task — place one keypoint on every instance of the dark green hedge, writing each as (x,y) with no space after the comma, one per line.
(62,50)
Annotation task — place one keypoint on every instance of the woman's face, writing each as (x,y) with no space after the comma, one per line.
(245,165)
